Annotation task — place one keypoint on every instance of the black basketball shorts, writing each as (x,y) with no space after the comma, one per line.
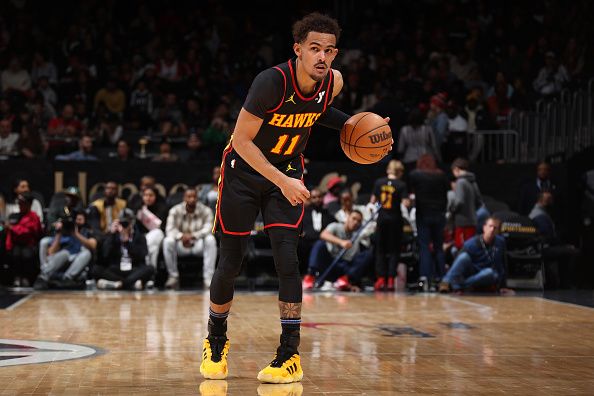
(243,193)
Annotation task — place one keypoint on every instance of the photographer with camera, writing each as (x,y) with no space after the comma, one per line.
(123,256)
(73,244)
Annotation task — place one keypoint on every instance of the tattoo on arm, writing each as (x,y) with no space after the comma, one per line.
(289,310)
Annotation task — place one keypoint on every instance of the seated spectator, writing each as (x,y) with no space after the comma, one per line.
(112,97)
(141,105)
(122,258)
(168,111)
(351,266)
(135,201)
(194,120)
(552,77)
(480,264)
(196,150)
(165,154)
(66,125)
(315,220)
(347,206)
(124,151)
(72,247)
(84,153)
(20,186)
(47,92)
(8,139)
(30,144)
(106,210)
(41,67)
(110,130)
(531,188)
(15,77)
(208,193)
(331,200)
(189,234)
(559,257)
(467,199)
(151,222)
(23,234)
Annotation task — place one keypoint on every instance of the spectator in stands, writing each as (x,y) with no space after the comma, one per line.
(122,261)
(8,139)
(347,205)
(66,125)
(23,233)
(194,120)
(135,201)
(552,77)
(315,219)
(438,119)
(84,153)
(47,92)
(15,78)
(169,68)
(165,154)
(112,98)
(331,200)
(531,188)
(141,105)
(21,186)
(109,129)
(559,257)
(481,263)
(352,265)
(457,144)
(30,144)
(498,104)
(208,193)
(124,151)
(106,210)
(416,139)
(41,67)
(196,151)
(151,222)
(467,200)
(169,112)
(73,246)
(189,234)
(429,184)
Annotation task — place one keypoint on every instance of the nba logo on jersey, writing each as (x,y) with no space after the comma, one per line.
(320,96)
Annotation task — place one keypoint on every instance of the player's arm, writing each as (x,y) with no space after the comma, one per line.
(265,93)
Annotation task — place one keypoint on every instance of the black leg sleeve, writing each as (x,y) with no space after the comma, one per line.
(231,253)
(284,249)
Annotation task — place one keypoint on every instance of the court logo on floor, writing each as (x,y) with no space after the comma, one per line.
(393,331)
(18,352)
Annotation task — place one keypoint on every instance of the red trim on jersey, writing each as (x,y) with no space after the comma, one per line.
(293,80)
(284,92)
(328,93)
(219,198)
(302,206)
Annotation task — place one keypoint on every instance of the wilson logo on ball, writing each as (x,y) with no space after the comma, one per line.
(379,137)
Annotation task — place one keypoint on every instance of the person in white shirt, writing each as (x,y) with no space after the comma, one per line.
(188,233)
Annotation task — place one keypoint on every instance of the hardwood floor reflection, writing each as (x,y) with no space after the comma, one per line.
(351,344)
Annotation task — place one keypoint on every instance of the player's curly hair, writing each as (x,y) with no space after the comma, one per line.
(315,22)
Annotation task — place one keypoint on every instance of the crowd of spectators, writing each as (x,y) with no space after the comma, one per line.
(168,80)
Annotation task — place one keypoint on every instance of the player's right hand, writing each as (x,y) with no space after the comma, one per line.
(294,191)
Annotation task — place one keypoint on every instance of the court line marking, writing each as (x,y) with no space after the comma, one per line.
(18,303)
(565,303)
(480,306)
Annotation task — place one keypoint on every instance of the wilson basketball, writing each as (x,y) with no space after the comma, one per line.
(366,138)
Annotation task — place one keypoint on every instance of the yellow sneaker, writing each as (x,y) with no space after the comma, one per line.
(213,388)
(283,369)
(294,389)
(214,358)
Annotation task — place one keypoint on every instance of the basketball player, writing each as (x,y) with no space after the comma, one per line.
(389,192)
(262,169)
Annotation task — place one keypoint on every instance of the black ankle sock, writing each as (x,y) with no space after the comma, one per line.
(217,323)
(290,336)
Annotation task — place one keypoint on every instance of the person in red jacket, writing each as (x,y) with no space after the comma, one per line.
(24,232)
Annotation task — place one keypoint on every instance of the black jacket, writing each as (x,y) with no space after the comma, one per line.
(111,252)
(431,191)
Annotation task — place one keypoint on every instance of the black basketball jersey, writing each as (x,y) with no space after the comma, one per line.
(389,193)
(288,114)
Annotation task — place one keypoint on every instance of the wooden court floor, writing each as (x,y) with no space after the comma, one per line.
(144,343)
